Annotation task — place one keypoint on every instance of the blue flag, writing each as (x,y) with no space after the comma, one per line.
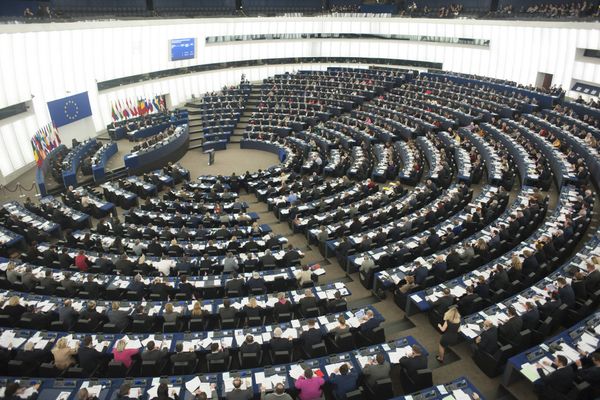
(70,109)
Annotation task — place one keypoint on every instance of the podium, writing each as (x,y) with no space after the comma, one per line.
(211,156)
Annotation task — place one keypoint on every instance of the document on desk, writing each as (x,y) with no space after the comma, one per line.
(93,390)
(332,367)
(395,356)
(63,396)
(153,391)
(459,394)
(530,372)
(296,371)
(196,384)
(363,361)
(569,352)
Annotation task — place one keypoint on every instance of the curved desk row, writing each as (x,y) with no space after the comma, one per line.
(185,385)
(158,155)
(70,176)
(153,130)
(264,146)
(40,173)
(544,100)
(98,169)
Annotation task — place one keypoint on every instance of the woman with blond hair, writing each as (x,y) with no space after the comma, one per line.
(197,311)
(252,309)
(13,308)
(11,273)
(63,354)
(516,268)
(122,354)
(449,329)
(170,315)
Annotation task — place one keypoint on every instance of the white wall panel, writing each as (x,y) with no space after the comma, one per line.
(50,61)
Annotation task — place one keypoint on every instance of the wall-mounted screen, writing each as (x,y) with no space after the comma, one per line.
(183,49)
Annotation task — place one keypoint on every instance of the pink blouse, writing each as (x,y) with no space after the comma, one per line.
(125,356)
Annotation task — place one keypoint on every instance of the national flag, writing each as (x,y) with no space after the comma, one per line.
(124,110)
(131,109)
(56,136)
(143,109)
(36,154)
(155,103)
(149,106)
(115,117)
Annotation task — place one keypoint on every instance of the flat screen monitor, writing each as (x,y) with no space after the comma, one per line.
(183,49)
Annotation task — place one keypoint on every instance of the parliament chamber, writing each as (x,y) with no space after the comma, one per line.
(279,200)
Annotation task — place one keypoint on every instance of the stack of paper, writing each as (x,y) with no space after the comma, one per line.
(197,384)
(93,390)
(530,372)
(153,391)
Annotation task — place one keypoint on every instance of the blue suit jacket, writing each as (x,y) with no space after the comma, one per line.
(343,384)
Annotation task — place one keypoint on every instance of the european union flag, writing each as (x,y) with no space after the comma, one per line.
(70,109)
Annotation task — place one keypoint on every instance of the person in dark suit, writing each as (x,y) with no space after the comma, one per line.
(442,304)
(32,357)
(249,345)
(311,336)
(482,288)
(154,353)
(487,341)
(118,317)
(279,343)
(565,291)
(558,382)
(343,381)
(530,262)
(592,279)
(531,316)
(14,389)
(552,303)
(268,259)
(336,303)
(290,256)
(466,301)
(433,240)
(185,287)
(420,273)
(511,328)
(499,278)
(159,286)
(69,284)
(188,357)
(227,312)
(48,282)
(217,353)
(92,314)
(65,259)
(439,268)
(590,373)
(283,306)
(124,265)
(67,314)
(137,285)
(155,248)
(235,284)
(256,282)
(369,321)
(89,357)
(307,302)
(92,287)
(413,362)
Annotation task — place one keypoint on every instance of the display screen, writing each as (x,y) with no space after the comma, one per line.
(183,49)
